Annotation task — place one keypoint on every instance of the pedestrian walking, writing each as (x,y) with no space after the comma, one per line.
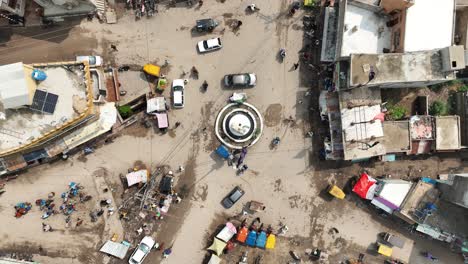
(296,65)
(79,221)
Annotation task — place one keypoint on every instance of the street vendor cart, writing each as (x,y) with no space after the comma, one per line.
(256,206)
(384,250)
(152,69)
(393,240)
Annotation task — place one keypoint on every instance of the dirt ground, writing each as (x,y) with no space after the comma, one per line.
(290,179)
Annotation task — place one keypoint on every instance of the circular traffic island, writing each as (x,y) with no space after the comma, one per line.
(238,125)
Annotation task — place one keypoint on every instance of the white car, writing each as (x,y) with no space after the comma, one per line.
(178,87)
(140,253)
(209,45)
(240,80)
(93,61)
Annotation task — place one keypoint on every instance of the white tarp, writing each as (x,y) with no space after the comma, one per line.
(135,177)
(395,191)
(227,233)
(155,104)
(115,249)
(214,259)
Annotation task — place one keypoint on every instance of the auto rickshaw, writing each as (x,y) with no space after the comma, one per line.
(152,69)
(336,192)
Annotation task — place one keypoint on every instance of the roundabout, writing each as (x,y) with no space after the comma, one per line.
(239,125)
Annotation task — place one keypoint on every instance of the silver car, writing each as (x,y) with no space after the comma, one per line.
(240,80)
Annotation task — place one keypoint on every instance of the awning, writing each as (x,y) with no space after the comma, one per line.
(155,104)
(115,249)
(271,242)
(227,233)
(217,247)
(214,259)
(162,120)
(135,177)
(35,155)
(365,187)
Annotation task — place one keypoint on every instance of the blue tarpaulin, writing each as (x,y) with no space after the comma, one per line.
(39,75)
(261,240)
(35,155)
(428,180)
(251,238)
(222,151)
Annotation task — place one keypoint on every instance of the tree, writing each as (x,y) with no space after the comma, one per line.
(397,112)
(125,111)
(438,108)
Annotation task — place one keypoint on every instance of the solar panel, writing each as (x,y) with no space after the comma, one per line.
(44,102)
(50,103)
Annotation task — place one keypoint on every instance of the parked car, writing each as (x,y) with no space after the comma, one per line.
(240,80)
(209,45)
(206,24)
(142,250)
(92,60)
(178,87)
(233,197)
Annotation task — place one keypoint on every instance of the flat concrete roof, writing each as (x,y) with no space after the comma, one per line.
(429,25)
(419,196)
(25,126)
(330,27)
(397,68)
(447,132)
(135,84)
(358,107)
(397,136)
(365,31)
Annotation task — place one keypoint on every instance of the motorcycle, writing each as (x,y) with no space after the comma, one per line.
(428,255)
(275,142)
(282,54)
(252,8)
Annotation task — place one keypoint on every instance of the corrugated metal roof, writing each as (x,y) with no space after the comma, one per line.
(115,249)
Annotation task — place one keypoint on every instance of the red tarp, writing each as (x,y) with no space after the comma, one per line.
(364,184)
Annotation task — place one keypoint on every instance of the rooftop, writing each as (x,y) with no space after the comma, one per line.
(135,84)
(447,132)
(364,31)
(456,189)
(422,127)
(16,85)
(421,194)
(24,126)
(329,34)
(361,132)
(429,25)
(397,136)
(397,68)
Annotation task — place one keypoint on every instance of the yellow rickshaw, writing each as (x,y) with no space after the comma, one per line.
(309,3)
(335,191)
(152,69)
